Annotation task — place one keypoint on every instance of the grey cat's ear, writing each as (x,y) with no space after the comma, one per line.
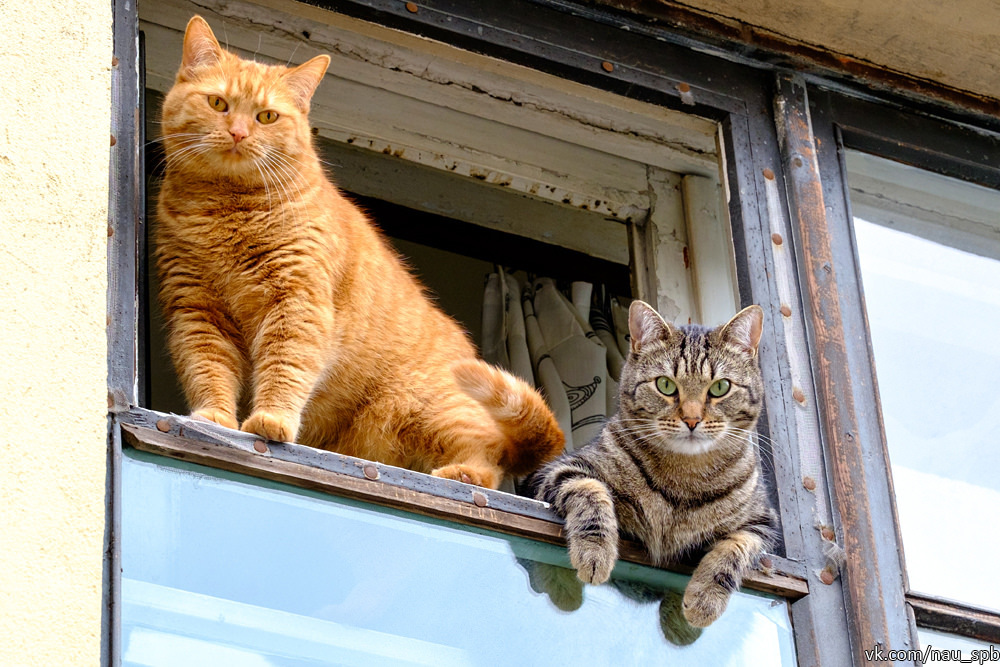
(200,47)
(745,328)
(304,79)
(645,326)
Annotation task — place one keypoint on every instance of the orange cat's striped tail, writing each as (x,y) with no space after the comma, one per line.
(533,433)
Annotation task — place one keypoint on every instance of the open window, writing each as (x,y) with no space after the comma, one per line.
(647,175)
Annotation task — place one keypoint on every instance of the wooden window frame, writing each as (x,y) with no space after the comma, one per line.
(780,173)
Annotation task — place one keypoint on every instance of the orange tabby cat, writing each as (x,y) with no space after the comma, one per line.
(273,283)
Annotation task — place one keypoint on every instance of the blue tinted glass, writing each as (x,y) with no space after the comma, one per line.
(220,569)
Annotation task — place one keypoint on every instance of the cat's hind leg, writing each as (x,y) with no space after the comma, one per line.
(473,472)
(457,440)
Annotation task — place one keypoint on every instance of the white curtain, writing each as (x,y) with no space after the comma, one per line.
(570,348)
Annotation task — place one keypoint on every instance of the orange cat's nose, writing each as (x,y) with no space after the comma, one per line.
(238,130)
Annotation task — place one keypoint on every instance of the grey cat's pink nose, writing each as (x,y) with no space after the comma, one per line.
(692,422)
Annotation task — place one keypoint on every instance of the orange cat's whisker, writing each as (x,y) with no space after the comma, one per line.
(280,187)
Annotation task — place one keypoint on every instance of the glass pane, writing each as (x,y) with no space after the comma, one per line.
(933,299)
(220,569)
(939,648)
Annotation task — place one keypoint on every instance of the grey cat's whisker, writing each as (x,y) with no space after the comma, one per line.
(755,434)
(765,462)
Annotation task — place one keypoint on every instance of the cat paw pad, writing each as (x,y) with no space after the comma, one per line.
(220,417)
(270,426)
(593,562)
(704,603)
(468,474)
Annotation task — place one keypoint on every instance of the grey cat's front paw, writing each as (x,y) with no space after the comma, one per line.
(593,560)
(704,602)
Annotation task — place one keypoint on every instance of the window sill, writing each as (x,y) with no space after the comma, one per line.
(215,446)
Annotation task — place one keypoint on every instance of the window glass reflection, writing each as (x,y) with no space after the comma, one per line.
(221,569)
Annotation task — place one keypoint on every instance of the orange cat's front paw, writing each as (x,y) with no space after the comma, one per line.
(469,475)
(220,417)
(271,426)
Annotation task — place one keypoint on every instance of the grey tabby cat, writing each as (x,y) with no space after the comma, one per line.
(674,468)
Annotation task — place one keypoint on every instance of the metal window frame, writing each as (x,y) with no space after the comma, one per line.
(841,332)
(768,127)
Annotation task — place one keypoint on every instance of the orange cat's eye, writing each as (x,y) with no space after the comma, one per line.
(217,103)
(267,117)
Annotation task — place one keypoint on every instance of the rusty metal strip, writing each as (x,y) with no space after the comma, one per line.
(873,586)
(751,155)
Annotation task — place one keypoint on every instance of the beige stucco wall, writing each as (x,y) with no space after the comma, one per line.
(954,43)
(55,58)
(949,43)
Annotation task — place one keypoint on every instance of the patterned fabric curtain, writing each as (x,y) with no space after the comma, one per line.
(571,348)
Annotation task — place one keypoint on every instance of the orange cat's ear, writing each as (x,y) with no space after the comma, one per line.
(200,47)
(304,79)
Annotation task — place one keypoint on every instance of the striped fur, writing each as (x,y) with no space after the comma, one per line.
(675,472)
(280,293)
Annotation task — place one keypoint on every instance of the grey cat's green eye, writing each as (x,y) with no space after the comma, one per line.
(719,388)
(666,386)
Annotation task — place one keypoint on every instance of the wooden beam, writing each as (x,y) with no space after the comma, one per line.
(955,618)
